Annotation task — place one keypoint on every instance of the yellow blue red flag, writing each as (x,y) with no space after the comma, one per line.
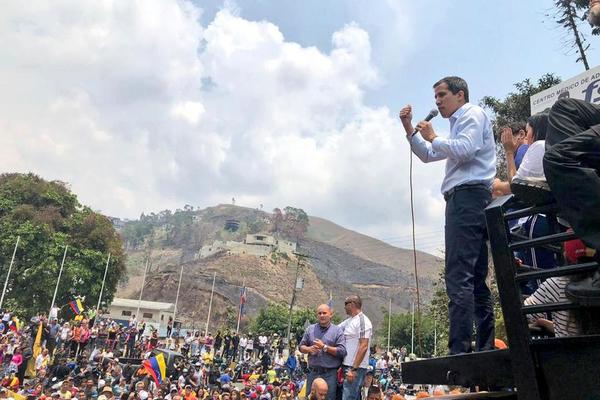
(156,367)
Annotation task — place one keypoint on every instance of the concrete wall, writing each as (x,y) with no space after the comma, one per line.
(210,249)
(261,239)
(251,249)
(256,245)
(285,246)
(158,316)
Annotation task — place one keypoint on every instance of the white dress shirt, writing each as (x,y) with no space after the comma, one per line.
(469,150)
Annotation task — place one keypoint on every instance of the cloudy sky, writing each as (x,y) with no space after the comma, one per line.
(147,105)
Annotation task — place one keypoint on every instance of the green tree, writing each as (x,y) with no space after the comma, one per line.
(274,319)
(271,319)
(515,107)
(401,333)
(291,223)
(296,222)
(438,311)
(47,216)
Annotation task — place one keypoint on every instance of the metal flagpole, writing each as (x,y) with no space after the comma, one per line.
(177,296)
(12,260)
(137,313)
(62,264)
(237,329)
(212,292)
(434,337)
(101,289)
(389,324)
(289,327)
(412,329)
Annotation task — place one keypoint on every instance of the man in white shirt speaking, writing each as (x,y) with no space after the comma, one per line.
(357,332)
(470,154)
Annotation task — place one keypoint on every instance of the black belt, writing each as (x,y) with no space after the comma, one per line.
(321,370)
(465,186)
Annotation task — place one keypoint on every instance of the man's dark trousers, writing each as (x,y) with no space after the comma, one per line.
(328,374)
(466,269)
(572,165)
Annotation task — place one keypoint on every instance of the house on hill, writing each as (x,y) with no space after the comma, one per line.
(258,244)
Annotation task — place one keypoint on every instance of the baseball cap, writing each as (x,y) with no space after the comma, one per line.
(143,394)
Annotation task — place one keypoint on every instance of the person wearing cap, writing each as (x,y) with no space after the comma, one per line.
(188,393)
(172,392)
(325,344)
(358,331)
(65,389)
(107,393)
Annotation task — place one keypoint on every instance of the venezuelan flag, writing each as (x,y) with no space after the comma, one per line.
(14,325)
(156,367)
(76,306)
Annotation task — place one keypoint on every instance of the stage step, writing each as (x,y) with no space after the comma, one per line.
(484,369)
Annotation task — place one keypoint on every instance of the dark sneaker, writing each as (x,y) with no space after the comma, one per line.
(585,292)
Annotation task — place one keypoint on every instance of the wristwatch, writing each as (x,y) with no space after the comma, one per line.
(353,369)
(325,347)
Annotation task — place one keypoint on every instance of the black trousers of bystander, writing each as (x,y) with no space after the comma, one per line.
(572,165)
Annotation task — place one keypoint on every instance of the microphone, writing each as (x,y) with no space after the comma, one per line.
(432,114)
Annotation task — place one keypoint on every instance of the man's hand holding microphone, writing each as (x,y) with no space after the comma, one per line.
(424,126)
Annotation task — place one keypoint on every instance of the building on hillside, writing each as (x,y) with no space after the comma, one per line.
(261,240)
(285,246)
(258,244)
(153,312)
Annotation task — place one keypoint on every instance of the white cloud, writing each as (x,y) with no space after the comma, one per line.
(189,111)
(141,108)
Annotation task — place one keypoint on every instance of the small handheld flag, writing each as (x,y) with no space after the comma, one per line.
(76,306)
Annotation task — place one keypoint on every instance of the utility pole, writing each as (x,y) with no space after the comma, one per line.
(296,284)
(212,292)
(177,296)
(412,328)
(137,313)
(389,324)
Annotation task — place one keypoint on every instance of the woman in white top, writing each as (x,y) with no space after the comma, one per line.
(531,166)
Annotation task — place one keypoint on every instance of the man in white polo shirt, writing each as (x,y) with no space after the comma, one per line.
(357,331)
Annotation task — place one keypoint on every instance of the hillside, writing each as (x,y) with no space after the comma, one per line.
(338,260)
(371,249)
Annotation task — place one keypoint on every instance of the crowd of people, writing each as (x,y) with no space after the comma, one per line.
(104,359)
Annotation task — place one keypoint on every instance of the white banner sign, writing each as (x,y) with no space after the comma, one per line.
(585,86)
